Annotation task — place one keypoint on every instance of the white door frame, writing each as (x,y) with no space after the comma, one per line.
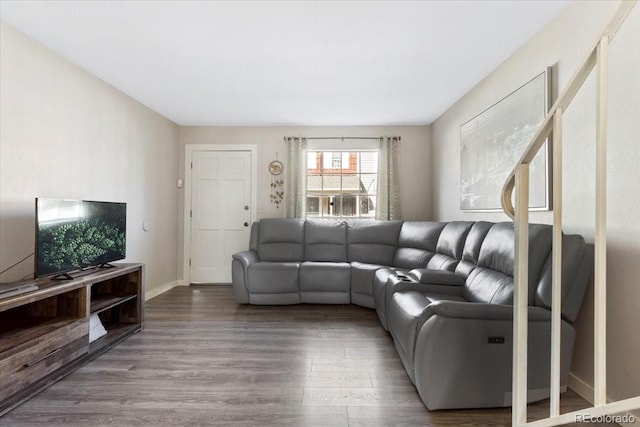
(188,157)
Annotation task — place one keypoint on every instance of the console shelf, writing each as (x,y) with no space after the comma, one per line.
(44,334)
(99,305)
(115,334)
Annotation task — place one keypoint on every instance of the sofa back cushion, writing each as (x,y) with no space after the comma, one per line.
(492,280)
(372,242)
(417,243)
(255,235)
(450,245)
(577,268)
(471,250)
(281,239)
(325,240)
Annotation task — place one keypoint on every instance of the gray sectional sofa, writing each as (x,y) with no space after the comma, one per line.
(443,291)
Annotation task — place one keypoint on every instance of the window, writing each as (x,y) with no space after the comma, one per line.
(342,184)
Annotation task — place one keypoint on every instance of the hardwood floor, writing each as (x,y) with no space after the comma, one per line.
(204,360)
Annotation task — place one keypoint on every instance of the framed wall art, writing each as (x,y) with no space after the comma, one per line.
(492,142)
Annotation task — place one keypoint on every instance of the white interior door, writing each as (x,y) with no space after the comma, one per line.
(220,212)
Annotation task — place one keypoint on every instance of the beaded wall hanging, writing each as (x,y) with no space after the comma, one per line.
(277,192)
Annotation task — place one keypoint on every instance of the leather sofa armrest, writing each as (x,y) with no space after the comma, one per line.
(471,343)
(246,257)
(482,311)
(239,274)
(436,277)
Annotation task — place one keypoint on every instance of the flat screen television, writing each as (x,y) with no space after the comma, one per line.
(77,234)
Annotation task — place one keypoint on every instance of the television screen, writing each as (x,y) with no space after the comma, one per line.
(75,234)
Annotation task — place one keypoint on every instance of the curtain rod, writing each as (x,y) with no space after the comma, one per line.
(340,137)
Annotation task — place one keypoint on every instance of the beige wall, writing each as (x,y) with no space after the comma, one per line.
(414,159)
(66,134)
(563,44)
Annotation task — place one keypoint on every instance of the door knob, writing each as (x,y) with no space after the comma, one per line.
(246,224)
(246,207)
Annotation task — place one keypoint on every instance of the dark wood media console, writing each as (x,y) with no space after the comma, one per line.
(44,334)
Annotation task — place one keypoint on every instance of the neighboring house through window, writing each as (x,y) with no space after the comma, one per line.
(344,177)
(342,184)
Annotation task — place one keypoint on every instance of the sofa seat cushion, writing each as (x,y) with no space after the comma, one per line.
(325,282)
(273,277)
(325,277)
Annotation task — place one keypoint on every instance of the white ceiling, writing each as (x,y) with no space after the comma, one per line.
(286,63)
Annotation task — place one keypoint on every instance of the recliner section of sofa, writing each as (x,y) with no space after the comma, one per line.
(325,276)
(492,280)
(463,355)
(274,279)
(469,330)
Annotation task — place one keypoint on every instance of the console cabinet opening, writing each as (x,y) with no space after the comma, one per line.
(106,294)
(28,322)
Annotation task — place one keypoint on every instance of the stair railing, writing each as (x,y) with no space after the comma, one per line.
(519,180)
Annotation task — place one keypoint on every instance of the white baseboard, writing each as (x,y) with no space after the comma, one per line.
(162,289)
(585,390)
